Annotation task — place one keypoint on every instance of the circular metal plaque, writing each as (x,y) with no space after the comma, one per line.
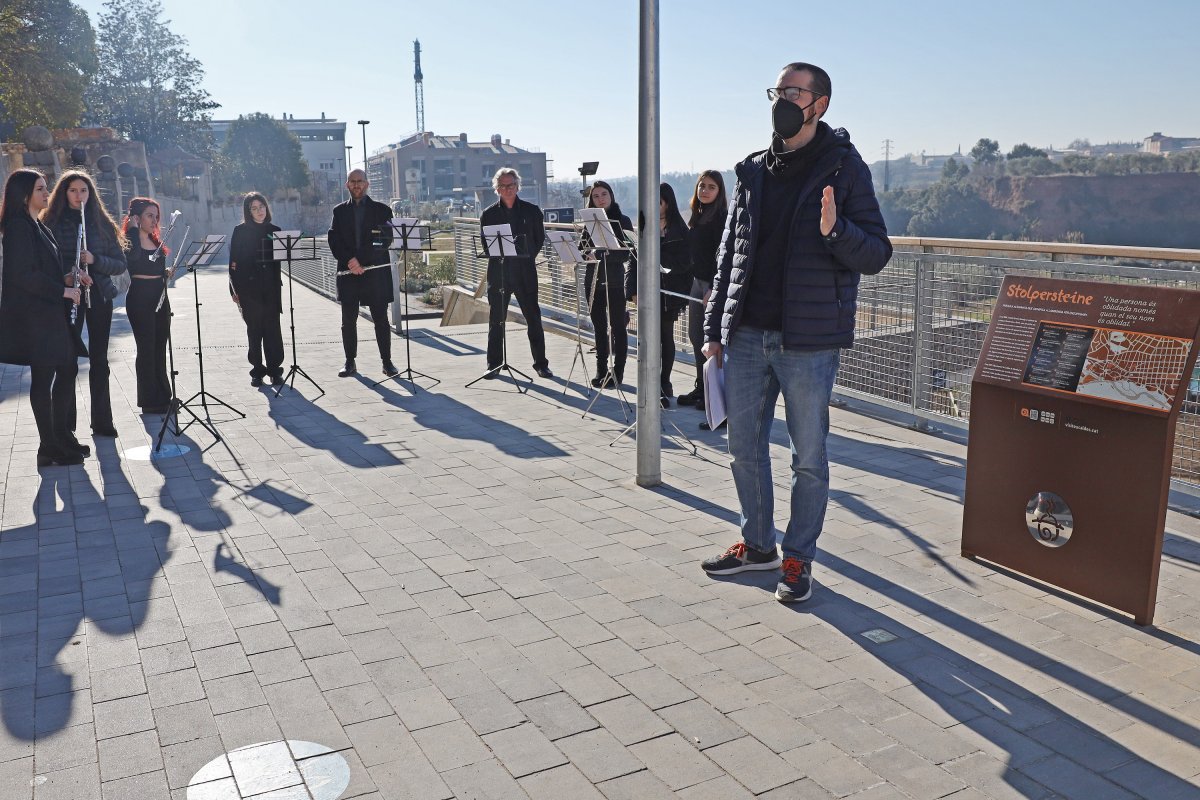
(1049,519)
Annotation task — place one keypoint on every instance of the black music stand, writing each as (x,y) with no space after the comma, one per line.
(409,235)
(200,254)
(289,248)
(504,246)
(567,248)
(174,405)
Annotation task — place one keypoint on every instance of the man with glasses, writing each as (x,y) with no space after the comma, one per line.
(359,239)
(804,226)
(514,274)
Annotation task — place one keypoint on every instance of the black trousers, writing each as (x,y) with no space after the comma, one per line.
(151,331)
(667,331)
(696,326)
(264,335)
(520,278)
(98,321)
(607,309)
(383,329)
(52,397)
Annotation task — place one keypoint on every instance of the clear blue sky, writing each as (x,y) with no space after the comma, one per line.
(562,76)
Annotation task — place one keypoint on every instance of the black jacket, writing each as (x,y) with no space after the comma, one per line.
(110,258)
(529,230)
(822,273)
(256,275)
(675,256)
(34,326)
(375,286)
(613,260)
(706,243)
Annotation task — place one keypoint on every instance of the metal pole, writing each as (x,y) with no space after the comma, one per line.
(649,423)
(364,123)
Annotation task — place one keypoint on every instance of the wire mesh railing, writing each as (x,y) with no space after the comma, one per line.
(921,322)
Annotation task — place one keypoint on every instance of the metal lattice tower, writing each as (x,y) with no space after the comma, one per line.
(419,83)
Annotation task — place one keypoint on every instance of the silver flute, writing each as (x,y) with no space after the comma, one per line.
(76,272)
(170,271)
(87,290)
(365,269)
(167,235)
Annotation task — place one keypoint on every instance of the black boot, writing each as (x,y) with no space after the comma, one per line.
(349,370)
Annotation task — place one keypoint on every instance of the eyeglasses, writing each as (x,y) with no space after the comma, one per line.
(791,93)
(506,185)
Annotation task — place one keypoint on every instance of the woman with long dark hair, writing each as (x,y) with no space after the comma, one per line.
(709,209)
(606,292)
(74,202)
(151,324)
(675,259)
(257,288)
(35,328)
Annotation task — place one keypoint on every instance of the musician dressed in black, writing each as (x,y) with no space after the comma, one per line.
(514,274)
(257,287)
(359,239)
(151,322)
(75,204)
(34,325)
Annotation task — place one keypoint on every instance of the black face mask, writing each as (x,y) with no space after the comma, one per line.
(787,118)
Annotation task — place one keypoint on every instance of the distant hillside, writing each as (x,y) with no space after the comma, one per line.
(1155,210)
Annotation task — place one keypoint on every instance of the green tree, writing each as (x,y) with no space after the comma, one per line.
(1031,165)
(954,170)
(986,151)
(260,154)
(47,57)
(1076,164)
(148,86)
(1023,150)
(954,210)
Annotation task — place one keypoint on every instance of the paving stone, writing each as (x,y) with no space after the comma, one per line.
(173,688)
(675,762)
(629,720)
(421,708)
(124,716)
(558,783)
(184,722)
(134,754)
(716,789)
(488,711)
(701,724)
(598,755)
(451,745)
(485,779)
(524,750)
(557,715)
(69,784)
(638,786)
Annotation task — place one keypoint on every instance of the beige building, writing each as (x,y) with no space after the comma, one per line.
(426,167)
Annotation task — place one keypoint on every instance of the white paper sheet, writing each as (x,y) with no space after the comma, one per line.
(714,393)
(498,239)
(417,234)
(283,240)
(599,229)
(565,246)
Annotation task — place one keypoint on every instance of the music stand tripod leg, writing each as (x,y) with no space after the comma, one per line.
(290,378)
(505,296)
(408,373)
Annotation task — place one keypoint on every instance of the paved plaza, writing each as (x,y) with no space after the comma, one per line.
(445,592)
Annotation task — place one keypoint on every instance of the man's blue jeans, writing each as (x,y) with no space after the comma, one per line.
(757,368)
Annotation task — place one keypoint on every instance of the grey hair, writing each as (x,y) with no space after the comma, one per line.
(500,173)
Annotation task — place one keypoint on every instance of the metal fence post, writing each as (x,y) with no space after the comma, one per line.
(922,337)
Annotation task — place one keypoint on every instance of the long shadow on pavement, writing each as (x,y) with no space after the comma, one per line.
(100,565)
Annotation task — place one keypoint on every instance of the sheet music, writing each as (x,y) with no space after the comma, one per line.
(498,239)
(714,393)
(417,237)
(565,246)
(284,241)
(599,229)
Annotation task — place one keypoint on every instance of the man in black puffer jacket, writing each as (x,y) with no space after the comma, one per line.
(804,225)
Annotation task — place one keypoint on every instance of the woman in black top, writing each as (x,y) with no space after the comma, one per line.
(676,267)
(75,201)
(34,322)
(606,298)
(709,209)
(257,287)
(151,325)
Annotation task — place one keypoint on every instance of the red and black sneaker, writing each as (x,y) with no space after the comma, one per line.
(740,558)
(796,586)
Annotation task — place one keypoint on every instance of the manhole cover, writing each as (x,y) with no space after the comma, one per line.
(286,769)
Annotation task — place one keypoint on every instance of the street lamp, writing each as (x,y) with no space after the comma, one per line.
(588,169)
(349,147)
(364,123)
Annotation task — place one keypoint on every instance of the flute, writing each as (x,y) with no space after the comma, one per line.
(87,289)
(170,271)
(76,272)
(163,241)
(365,269)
